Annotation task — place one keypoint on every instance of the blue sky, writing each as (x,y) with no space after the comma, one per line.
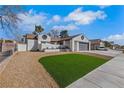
(103,22)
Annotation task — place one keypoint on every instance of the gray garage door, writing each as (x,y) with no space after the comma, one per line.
(83,46)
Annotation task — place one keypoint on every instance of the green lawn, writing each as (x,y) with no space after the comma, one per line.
(67,68)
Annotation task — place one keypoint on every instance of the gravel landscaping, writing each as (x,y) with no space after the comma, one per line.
(23,70)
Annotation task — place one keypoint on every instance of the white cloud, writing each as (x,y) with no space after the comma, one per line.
(56,18)
(30,19)
(63,27)
(104,6)
(117,38)
(85,17)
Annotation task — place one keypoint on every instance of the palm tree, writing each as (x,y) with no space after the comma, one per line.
(38,29)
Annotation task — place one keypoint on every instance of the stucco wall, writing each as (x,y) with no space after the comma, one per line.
(67,43)
(32,44)
(44,40)
(52,50)
(49,46)
(21,47)
(89,45)
(78,38)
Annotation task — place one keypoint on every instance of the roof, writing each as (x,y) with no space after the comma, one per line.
(96,40)
(62,39)
(30,36)
(116,45)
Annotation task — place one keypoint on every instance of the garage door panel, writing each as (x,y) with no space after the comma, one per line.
(83,46)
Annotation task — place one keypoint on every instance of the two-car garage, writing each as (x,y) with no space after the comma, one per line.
(80,43)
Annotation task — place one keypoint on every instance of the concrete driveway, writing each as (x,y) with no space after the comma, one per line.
(111,53)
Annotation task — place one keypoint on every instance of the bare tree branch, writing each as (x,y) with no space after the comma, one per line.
(9,18)
(54,33)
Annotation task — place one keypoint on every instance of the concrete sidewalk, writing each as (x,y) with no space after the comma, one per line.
(109,75)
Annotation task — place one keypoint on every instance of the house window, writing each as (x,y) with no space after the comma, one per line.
(61,43)
(44,37)
(82,37)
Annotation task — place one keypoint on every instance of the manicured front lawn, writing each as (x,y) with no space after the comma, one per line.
(67,68)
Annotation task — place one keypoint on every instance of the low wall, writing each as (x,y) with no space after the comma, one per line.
(49,45)
(21,47)
(56,50)
(52,50)
(7,46)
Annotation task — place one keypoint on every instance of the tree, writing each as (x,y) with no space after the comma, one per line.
(107,44)
(64,34)
(38,29)
(122,47)
(9,18)
(54,33)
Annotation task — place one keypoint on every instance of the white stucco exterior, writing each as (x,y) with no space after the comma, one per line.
(32,44)
(67,43)
(49,46)
(75,42)
(40,38)
(21,47)
(44,43)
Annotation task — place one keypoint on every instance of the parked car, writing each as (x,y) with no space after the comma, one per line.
(102,49)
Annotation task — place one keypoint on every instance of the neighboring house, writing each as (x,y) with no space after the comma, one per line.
(96,43)
(44,42)
(116,47)
(7,45)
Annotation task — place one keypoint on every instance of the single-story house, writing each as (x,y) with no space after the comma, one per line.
(96,43)
(44,42)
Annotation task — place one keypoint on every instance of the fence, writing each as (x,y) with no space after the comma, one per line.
(7,48)
(5,54)
(8,52)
